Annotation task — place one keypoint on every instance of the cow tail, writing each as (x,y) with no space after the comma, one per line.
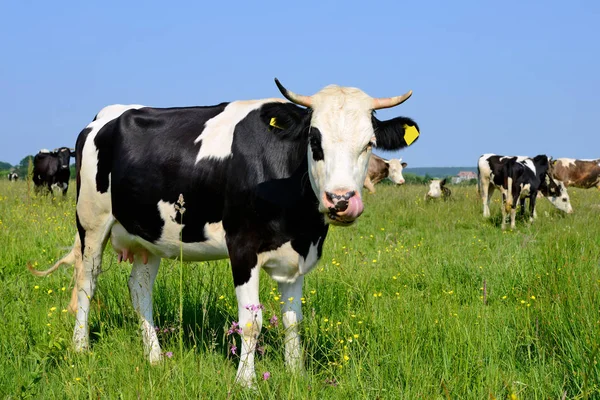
(68,259)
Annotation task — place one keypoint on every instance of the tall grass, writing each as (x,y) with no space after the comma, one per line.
(395,309)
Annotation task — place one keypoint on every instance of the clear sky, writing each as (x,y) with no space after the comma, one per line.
(511,77)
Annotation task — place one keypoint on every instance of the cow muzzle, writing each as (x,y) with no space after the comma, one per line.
(343,207)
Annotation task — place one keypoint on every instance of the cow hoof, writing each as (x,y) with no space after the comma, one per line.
(155,357)
(80,346)
(246,380)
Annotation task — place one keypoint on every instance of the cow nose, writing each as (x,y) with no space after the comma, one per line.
(340,201)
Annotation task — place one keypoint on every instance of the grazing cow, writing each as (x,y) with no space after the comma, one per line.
(51,169)
(578,173)
(380,168)
(13,176)
(437,189)
(519,177)
(257,182)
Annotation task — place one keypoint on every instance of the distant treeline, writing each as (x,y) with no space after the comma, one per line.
(411,175)
(438,172)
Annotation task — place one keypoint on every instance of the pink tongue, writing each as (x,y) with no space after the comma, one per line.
(355,208)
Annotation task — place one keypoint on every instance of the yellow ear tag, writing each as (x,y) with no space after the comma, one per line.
(410,134)
(273,123)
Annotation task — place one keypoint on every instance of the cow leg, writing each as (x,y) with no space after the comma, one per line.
(65,187)
(291,310)
(532,213)
(141,282)
(487,190)
(93,241)
(513,210)
(369,185)
(522,210)
(504,213)
(250,321)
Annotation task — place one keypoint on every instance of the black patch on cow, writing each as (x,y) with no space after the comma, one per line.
(289,118)
(78,152)
(390,134)
(81,232)
(315,139)
(104,142)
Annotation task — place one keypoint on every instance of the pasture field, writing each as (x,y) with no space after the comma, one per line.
(416,300)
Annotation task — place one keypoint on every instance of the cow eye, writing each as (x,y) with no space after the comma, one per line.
(564,200)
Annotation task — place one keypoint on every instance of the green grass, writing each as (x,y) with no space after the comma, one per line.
(395,309)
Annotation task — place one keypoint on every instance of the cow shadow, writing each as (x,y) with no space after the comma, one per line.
(520,219)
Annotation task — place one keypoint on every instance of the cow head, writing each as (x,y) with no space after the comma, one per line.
(342,133)
(556,192)
(435,188)
(64,155)
(395,170)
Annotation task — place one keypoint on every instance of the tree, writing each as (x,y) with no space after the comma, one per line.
(23,165)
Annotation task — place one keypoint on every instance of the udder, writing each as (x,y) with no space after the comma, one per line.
(126,245)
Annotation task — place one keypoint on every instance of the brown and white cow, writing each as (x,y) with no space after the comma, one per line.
(438,189)
(578,173)
(380,168)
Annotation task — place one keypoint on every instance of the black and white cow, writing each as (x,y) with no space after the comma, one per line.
(519,178)
(257,182)
(51,169)
(13,176)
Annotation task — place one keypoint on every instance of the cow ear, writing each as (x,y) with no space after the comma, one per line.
(282,116)
(404,165)
(443,182)
(395,133)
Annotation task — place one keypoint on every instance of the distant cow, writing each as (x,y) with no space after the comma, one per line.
(380,168)
(437,189)
(519,178)
(13,176)
(578,173)
(51,169)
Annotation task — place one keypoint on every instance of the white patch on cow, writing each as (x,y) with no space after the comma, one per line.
(566,162)
(113,111)
(44,151)
(529,164)
(563,202)
(169,244)
(435,189)
(308,263)
(525,189)
(285,265)
(217,136)
(395,171)
(343,116)
(282,264)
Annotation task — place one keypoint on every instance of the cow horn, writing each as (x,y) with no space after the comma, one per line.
(293,97)
(387,102)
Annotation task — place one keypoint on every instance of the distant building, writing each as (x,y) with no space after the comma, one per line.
(464,176)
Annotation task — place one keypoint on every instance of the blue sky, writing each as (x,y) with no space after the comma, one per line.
(511,77)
